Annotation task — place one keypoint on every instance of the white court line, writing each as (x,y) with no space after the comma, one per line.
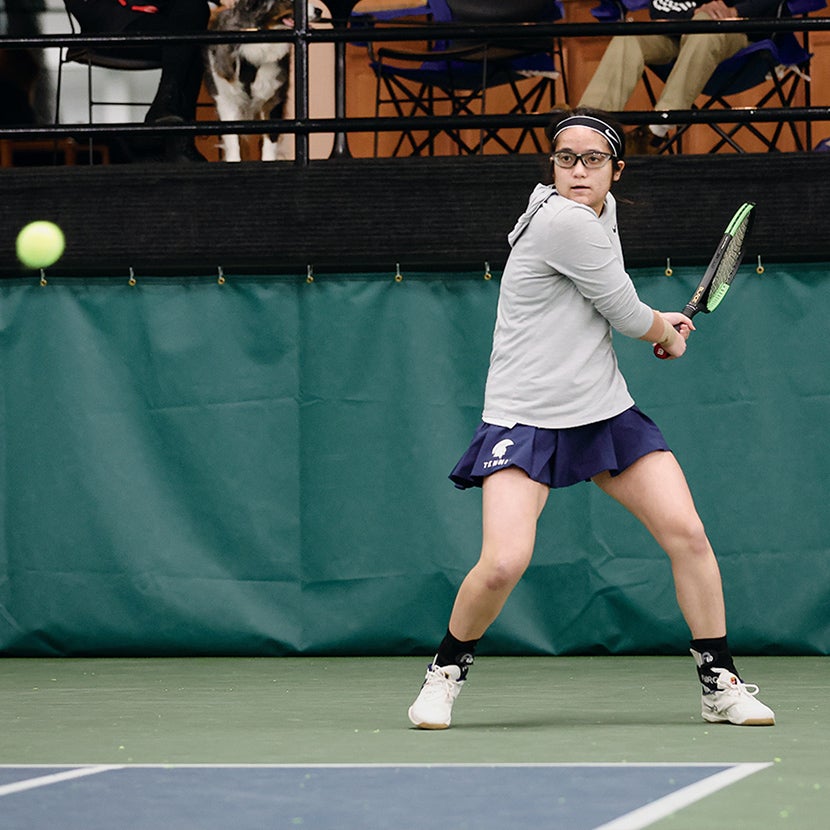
(54,778)
(643,816)
(410,765)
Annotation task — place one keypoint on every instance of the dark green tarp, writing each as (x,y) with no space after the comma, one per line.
(260,467)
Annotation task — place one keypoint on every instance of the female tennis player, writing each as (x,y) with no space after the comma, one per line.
(557,411)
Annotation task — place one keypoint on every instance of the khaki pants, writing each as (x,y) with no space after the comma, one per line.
(622,65)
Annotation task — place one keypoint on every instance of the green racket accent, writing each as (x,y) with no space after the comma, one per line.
(740,217)
(717,296)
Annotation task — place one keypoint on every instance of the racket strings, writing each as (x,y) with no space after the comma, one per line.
(728,266)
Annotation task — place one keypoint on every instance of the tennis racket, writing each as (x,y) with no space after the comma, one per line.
(722,268)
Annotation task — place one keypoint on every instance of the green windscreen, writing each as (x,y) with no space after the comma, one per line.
(260,467)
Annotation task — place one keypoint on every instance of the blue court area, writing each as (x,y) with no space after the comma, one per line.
(356,797)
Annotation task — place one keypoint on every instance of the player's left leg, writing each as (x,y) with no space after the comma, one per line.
(654,490)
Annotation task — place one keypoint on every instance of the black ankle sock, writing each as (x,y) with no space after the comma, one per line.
(454,652)
(709,654)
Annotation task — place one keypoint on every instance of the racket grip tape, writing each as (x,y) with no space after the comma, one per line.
(689,310)
(660,352)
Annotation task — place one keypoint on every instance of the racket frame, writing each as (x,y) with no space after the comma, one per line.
(702,299)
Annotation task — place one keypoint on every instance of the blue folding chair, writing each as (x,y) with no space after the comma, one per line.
(610,11)
(452,78)
(779,64)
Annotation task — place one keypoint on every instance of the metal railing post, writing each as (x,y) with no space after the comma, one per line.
(301,65)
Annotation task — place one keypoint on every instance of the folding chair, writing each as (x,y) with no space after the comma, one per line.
(453,78)
(610,11)
(92,58)
(780,64)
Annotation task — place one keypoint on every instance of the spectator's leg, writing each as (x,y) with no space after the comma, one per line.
(181,63)
(182,69)
(697,59)
(622,67)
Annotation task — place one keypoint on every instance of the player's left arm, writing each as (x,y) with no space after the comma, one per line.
(670,330)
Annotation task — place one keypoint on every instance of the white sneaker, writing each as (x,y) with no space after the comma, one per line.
(735,702)
(432,708)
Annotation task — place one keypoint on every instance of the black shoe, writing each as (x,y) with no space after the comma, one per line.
(180,149)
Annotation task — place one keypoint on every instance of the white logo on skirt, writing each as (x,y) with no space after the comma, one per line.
(498,452)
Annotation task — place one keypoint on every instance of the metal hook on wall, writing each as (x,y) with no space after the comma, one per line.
(487,274)
(398,274)
(132,280)
(668,272)
(220,279)
(759,268)
(309,273)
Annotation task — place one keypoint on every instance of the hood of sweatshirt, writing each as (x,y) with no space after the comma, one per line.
(541,193)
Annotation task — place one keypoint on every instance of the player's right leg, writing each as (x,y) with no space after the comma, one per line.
(511,504)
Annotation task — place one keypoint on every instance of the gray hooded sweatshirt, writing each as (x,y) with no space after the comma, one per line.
(563,289)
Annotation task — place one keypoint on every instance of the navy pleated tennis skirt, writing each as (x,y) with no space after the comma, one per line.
(559,457)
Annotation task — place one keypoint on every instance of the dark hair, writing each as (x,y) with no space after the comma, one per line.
(558,116)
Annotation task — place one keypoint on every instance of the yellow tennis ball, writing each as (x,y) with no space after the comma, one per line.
(40,244)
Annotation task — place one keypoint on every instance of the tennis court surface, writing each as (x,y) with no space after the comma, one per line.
(241,743)
(464,797)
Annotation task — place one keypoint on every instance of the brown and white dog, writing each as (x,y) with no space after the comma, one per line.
(249,81)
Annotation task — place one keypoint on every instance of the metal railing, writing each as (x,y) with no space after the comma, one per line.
(302,36)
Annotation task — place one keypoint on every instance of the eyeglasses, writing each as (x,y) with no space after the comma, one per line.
(593,160)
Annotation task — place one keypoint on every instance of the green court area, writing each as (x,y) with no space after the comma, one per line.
(352,711)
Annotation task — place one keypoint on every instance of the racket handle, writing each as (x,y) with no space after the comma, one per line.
(660,352)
